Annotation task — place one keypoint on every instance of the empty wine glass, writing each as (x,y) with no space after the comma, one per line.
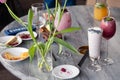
(38,19)
(109,28)
(64,23)
(63,52)
(37,9)
(94,41)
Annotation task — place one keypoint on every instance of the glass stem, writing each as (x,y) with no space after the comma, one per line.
(63,51)
(94,62)
(107,49)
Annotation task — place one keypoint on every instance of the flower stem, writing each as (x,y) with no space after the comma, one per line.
(14,16)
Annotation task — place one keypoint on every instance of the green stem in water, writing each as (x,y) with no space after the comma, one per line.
(42,62)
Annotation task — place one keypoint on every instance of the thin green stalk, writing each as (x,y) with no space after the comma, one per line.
(56,7)
(14,16)
(48,45)
(30,18)
(47,66)
(64,7)
(43,61)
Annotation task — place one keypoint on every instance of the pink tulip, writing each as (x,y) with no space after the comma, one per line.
(3,1)
(64,23)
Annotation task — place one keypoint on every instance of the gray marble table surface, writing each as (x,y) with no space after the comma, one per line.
(82,16)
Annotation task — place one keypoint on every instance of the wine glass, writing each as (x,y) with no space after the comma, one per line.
(63,53)
(109,28)
(64,23)
(38,19)
(94,41)
(37,10)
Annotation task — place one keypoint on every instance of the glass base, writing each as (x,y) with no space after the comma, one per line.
(63,55)
(94,67)
(107,61)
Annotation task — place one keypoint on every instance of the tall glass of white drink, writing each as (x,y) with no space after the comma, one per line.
(94,41)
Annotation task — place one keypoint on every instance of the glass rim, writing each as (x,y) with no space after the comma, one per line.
(37,5)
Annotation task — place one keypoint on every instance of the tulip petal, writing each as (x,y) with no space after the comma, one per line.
(3,1)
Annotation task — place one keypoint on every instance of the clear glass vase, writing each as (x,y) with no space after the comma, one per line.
(45,64)
(41,73)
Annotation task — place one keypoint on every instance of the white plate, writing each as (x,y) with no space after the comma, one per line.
(26,32)
(14,51)
(6,38)
(70,71)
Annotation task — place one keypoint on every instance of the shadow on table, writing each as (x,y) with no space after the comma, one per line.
(6,75)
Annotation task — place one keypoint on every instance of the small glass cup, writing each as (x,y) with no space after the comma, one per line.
(101,9)
(94,41)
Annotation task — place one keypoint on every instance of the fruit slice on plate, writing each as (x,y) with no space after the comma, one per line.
(11,40)
(65,71)
(25,35)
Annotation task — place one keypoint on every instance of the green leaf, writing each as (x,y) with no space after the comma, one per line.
(49,22)
(32,50)
(100,5)
(64,7)
(60,48)
(41,45)
(48,43)
(58,15)
(71,29)
(108,19)
(48,10)
(42,48)
(67,45)
(56,7)
(30,18)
